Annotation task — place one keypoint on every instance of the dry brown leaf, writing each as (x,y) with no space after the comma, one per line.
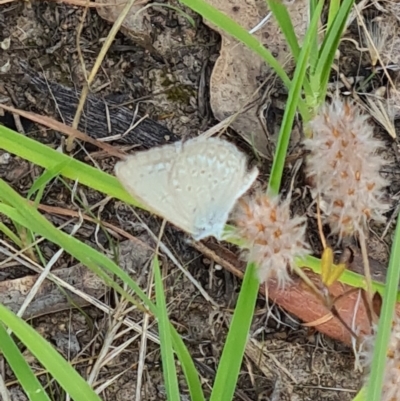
(238,72)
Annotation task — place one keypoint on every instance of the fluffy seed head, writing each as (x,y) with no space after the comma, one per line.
(271,237)
(391,381)
(343,166)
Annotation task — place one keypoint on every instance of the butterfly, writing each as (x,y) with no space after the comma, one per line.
(193,184)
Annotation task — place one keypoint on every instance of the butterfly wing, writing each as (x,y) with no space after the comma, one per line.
(210,175)
(146,176)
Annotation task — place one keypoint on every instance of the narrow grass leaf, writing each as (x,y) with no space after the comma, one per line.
(374,387)
(232,354)
(48,158)
(314,52)
(28,381)
(164,332)
(334,6)
(360,395)
(188,367)
(282,16)
(46,177)
(60,369)
(8,233)
(328,49)
(291,106)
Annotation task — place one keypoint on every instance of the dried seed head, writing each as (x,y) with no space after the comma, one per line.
(272,238)
(391,381)
(385,42)
(376,38)
(344,167)
(383,106)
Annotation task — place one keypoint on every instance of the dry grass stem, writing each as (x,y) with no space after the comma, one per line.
(107,43)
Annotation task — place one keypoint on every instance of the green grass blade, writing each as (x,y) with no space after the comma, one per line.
(291,106)
(314,52)
(28,381)
(46,177)
(360,395)
(328,50)
(60,369)
(313,6)
(334,6)
(188,367)
(282,16)
(374,387)
(167,355)
(232,354)
(8,233)
(49,159)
